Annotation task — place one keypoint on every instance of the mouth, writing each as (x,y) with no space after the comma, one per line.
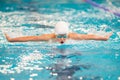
(61,42)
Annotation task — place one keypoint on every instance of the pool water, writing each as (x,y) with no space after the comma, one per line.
(74,60)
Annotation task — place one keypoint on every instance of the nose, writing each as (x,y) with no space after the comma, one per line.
(62,40)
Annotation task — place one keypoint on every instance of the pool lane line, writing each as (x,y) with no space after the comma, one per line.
(101,7)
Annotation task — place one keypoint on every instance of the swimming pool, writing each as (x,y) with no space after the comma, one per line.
(74,60)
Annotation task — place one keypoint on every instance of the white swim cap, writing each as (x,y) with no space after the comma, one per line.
(62,27)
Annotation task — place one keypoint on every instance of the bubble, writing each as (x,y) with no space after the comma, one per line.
(30,78)
(54,74)
(81,78)
(118,33)
(118,78)
(69,77)
(12,78)
(33,75)
(101,79)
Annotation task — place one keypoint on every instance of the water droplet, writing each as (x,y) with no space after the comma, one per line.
(81,78)
(12,79)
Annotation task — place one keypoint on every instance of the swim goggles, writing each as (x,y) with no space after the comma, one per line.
(61,36)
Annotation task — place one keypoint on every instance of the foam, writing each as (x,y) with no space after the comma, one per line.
(33,75)
(24,64)
(118,33)
(12,78)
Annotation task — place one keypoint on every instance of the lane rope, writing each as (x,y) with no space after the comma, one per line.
(101,7)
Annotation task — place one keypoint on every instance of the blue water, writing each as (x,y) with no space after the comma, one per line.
(74,60)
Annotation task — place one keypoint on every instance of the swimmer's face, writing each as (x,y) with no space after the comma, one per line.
(61,38)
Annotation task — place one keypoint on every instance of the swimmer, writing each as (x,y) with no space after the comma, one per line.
(61,34)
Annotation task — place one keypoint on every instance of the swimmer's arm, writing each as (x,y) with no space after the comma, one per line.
(88,36)
(43,37)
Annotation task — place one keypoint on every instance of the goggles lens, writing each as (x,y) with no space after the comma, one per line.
(62,36)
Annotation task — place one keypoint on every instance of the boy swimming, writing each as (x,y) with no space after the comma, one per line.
(61,34)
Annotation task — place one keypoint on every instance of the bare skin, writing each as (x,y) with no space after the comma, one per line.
(76,36)
(46,37)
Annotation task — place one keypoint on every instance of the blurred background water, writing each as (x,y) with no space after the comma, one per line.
(74,60)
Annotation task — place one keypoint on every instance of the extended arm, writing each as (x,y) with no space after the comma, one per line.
(43,37)
(88,36)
